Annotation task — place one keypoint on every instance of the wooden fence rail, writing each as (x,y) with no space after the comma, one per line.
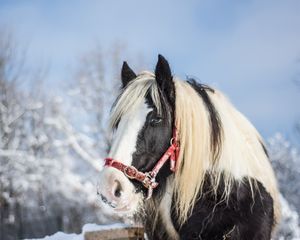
(130,233)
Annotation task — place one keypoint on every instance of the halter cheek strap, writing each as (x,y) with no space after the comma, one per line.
(148,178)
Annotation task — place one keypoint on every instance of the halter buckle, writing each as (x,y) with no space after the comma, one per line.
(149,181)
(132,172)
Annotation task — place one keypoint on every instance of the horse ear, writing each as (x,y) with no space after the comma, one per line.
(127,74)
(164,78)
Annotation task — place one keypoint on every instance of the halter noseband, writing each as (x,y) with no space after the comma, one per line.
(148,178)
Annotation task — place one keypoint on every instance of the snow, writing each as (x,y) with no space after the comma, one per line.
(286,162)
(86,228)
(289,226)
(63,236)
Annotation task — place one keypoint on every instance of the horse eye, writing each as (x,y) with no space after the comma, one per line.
(155,121)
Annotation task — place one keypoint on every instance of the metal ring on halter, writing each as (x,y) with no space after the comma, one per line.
(148,180)
(132,168)
(171,141)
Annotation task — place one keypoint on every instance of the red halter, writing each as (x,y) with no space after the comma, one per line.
(148,178)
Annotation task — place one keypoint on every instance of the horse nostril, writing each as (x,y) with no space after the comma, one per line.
(118,189)
(117,193)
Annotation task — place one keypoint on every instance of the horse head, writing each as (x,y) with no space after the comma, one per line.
(142,121)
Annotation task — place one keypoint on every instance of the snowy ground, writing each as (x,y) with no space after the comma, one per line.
(86,228)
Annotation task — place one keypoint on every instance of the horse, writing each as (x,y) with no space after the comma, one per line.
(185,162)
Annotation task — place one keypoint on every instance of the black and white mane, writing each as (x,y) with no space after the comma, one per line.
(224,186)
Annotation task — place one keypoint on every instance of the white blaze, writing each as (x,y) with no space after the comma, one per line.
(125,137)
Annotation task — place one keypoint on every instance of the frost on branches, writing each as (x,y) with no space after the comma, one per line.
(38,185)
(286,163)
(48,168)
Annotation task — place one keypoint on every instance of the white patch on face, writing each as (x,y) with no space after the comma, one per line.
(123,146)
(125,137)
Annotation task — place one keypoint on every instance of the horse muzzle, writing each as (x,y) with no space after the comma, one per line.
(116,192)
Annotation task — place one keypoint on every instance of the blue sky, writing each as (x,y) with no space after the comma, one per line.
(248,49)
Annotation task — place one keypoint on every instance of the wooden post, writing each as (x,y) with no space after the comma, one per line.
(130,233)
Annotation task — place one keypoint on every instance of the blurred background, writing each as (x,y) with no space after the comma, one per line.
(60,71)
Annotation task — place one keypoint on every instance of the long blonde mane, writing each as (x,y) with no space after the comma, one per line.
(241,154)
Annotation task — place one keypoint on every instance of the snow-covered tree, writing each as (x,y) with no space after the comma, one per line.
(288,228)
(286,162)
(37,184)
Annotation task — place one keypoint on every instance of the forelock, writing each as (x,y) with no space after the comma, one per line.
(133,95)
